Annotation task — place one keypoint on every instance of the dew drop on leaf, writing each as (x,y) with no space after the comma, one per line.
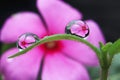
(26,40)
(78,28)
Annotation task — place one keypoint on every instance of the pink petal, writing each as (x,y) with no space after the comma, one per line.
(80,52)
(59,67)
(24,67)
(21,23)
(96,34)
(57,14)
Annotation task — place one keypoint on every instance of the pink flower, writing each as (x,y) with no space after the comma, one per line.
(65,59)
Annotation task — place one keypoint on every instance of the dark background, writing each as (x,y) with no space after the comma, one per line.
(105,12)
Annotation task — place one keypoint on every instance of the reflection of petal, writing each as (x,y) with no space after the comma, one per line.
(57,14)
(24,67)
(21,23)
(58,67)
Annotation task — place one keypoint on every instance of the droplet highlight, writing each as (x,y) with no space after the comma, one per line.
(78,28)
(26,40)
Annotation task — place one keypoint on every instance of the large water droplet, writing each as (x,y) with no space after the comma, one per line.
(26,40)
(78,28)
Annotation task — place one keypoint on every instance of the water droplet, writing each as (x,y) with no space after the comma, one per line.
(78,28)
(26,40)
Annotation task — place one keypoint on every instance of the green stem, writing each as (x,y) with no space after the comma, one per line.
(59,37)
(104,74)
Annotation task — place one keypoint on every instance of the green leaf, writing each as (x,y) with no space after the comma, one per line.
(115,48)
(55,38)
(106,47)
(101,44)
(105,56)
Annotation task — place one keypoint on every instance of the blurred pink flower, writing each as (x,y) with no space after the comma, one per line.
(64,59)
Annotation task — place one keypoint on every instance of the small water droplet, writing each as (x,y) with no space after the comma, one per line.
(26,40)
(78,28)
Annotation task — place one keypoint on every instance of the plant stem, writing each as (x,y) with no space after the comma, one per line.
(59,37)
(104,74)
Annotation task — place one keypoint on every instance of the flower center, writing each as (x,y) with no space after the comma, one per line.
(52,47)
(84,28)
